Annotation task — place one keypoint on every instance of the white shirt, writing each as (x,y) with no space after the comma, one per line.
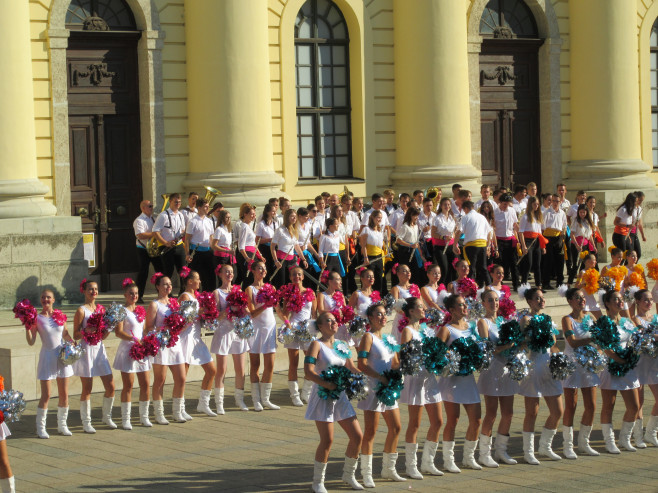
(246,236)
(479,203)
(353,222)
(171,226)
(143,224)
(408,234)
(525,225)
(373,237)
(266,231)
(573,210)
(455,209)
(223,237)
(317,225)
(578,229)
(279,219)
(519,207)
(595,218)
(475,227)
(329,243)
(627,220)
(188,213)
(366,217)
(397,218)
(445,225)
(304,234)
(555,219)
(201,229)
(423,221)
(284,242)
(565,204)
(504,222)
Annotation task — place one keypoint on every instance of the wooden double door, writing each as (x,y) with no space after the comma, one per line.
(509,112)
(104,140)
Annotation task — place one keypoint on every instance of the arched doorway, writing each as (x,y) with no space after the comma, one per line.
(104,130)
(509,94)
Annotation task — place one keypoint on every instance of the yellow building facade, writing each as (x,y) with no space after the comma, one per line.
(111,101)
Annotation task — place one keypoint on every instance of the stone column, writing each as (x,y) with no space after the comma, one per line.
(432,115)
(229,106)
(605,119)
(21,193)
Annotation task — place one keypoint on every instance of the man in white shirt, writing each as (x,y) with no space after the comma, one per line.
(456,207)
(425,221)
(377,205)
(397,217)
(555,230)
(562,196)
(581,196)
(197,244)
(485,192)
(520,201)
(169,229)
(461,197)
(143,227)
(389,205)
(190,210)
(507,232)
(476,233)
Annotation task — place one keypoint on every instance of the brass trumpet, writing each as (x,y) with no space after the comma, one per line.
(154,248)
(211,194)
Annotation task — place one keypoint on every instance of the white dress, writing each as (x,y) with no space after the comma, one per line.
(492,381)
(343,333)
(420,389)
(122,361)
(93,362)
(434,294)
(362,304)
(328,410)
(195,350)
(395,332)
(647,368)
(457,388)
(379,359)
(4,431)
(581,378)
(540,383)
(628,381)
(225,341)
(167,355)
(264,339)
(303,314)
(50,366)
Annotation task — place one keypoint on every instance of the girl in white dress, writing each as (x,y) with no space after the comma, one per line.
(331,300)
(225,342)
(51,327)
(462,268)
(131,329)
(591,303)
(376,356)
(575,328)
(420,391)
(322,354)
(540,383)
(647,370)
(496,388)
(402,291)
(7,483)
(362,298)
(195,350)
(93,362)
(172,358)
(459,390)
(433,293)
(627,385)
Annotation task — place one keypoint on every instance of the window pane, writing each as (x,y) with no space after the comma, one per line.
(334,16)
(304,76)
(326,124)
(326,98)
(339,55)
(304,30)
(654,139)
(307,167)
(341,98)
(303,55)
(340,32)
(305,125)
(654,98)
(327,145)
(654,38)
(305,97)
(307,146)
(323,30)
(654,60)
(342,166)
(325,55)
(341,145)
(654,78)
(325,76)
(341,124)
(339,76)
(654,121)
(655,158)
(328,166)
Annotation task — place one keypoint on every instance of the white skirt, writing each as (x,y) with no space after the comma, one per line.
(627,382)
(420,389)
(263,341)
(328,410)
(50,366)
(459,389)
(647,370)
(225,342)
(494,383)
(195,350)
(540,383)
(93,362)
(124,363)
(169,356)
(4,431)
(581,379)
(371,403)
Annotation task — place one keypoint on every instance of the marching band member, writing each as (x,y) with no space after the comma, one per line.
(443,233)
(169,229)
(582,238)
(555,230)
(639,226)
(143,227)
(371,241)
(305,226)
(533,243)
(285,249)
(247,243)
(329,248)
(624,221)
(222,241)
(352,225)
(190,210)
(264,232)
(408,240)
(476,234)
(199,232)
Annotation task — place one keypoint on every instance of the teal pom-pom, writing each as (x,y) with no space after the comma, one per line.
(619,369)
(604,333)
(388,394)
(539,333)
(334,374)
(470,353)
(434,355)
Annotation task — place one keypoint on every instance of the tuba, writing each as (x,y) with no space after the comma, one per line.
(432,193)
(345,191)
(154,248)
(211,194)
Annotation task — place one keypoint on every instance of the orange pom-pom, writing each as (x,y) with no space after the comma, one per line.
(636,279)
(2,383)
(638,268)
(652,265)
(591,281)
(617,274)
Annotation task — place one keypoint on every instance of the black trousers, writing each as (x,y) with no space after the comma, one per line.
(553,261)
(508,258)
(267,256)
(532,261)
(283,275)
(635,244)
(443,257)
(378,270)
(204,264)
(402,257)
(174,258)
(477,256)
(144,263)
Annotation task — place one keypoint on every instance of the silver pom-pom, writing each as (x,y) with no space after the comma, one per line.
(476,309)
(70,352)
(435,317)
(243,327)
(561,366)
(487,349)
(163,338)
(642,341)
(210,325)
(522,313)
(518,366)
(12,405)
(590,358)
(411,357)
(388,301)
(443,294)
(114,315)
(286,335)
(304,331)
(452,366)
(357,387)
(357,327)
(188,309)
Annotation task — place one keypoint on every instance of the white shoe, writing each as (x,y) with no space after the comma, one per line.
(625,435)
(219,400)
(366,471)
(62,416)
(529,448)
(8,485)
(468,459)
(319,469)
(125,415)
(176,405)
(583,440)
(265,392)
(294,393)
(545,444)
(609,437)
(255,396)
(349,468)
(411,461)
(144,414)
(204,404)
(485,452)
(158,409)
(638,434)
(306,390)
(183,412)
(239,400)
(500,449)
(567,442)
(427,462)
(41,423)
(388,467)
(85,416)
(108,402)
(652,431)
(449,457)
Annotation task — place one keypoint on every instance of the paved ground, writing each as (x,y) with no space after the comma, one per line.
(273,451)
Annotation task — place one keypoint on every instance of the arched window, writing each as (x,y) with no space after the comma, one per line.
(100,15)
(508,19)
(654,93)
(324,146)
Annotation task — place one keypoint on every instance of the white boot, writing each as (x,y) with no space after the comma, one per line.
(306,390)
(294,393)
(318,477)
(255,396)
(41,423)
(500,448)
(545,444)
(485,452)
(176,405)
(239,400)
(529,448)
(62,416)
(625,435)
(427,462)
(609,437)
(567,442)
(144,414)
(652,429)
(7,485)
(183,412)
(449,457)
(638,434)
(158,409)
(219,400)
(583,440)
(265,392)
(85,416)
(366,470)
(204,403)
(468,459)
(411,461)
(388,467)
(108,402)
(348,473)
(125,415)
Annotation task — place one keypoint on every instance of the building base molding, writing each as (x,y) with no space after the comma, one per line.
(237,188)
(622,174)
(441,175)
(24,198)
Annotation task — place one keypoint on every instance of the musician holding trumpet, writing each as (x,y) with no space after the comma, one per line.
(198,233)
(169,229)
(143,227)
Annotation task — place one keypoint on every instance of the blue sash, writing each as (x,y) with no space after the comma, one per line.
(340,261)
(311,261)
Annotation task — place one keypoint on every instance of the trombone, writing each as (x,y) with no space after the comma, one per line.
(153,247)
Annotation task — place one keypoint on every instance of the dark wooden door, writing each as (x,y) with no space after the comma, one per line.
(105,150)
(509,112)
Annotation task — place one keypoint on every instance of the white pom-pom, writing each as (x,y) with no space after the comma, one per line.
(479,293)
(601,293)
(634,289)
(562,290)
(397,306)
(522,289)
(443,294)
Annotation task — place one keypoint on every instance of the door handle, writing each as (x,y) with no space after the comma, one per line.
(107,211)
(97,217)
(83,212)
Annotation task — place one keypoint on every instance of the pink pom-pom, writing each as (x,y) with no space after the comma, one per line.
(26,313)
(236,303)
(267,296)
(324,277)
(402,323)
(140,313)
(394,269)
(59,317)
(375,297)
(185,271)
(173,304)
(137,351)
(467,287)
(414,291)
(506,307)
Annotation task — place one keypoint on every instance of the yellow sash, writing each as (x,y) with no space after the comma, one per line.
(373,251)
(474,243)
(552,232)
